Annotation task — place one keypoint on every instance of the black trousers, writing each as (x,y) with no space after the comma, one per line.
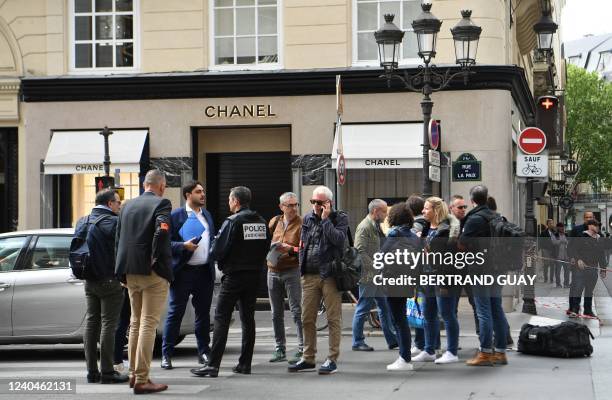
(241,288)
(583,280)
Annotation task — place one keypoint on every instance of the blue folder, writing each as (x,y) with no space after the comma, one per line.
(192,228)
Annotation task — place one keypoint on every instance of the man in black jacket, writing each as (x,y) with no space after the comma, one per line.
(144,262)
(102,290)
(240,249)
(547,247)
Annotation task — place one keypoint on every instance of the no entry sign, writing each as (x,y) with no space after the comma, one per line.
(532,140)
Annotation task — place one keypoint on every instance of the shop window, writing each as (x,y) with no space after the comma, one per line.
(103,34)
(84,192)
(245,33)
(369,17)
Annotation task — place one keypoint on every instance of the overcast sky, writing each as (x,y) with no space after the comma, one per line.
(581,17)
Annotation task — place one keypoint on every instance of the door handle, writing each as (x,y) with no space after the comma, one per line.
(75,281)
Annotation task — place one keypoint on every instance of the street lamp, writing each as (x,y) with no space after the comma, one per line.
(545,28)
(428,80)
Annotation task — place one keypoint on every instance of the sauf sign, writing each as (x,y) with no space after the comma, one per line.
(531,160)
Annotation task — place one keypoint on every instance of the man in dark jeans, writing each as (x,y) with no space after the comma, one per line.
(240,249)
(122,330)
(103,291)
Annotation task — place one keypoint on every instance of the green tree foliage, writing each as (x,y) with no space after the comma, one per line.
(589,126)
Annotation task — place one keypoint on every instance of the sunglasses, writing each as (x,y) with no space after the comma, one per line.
(318,202)
(462,207)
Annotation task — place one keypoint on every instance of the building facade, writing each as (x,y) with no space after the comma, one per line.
(243,92)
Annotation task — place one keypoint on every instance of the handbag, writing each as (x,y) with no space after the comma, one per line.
(347,265)
(413,311)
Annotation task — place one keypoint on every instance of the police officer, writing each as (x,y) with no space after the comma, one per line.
(240,250)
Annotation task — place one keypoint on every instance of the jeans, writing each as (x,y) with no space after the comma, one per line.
(566,273)
(362,310)
(197,281)
(122,328)
(241,288)
(491,318)
(279,283)
(583,280)
(446,306)
(397,308)
(313,289)
(104,300)
(148,295)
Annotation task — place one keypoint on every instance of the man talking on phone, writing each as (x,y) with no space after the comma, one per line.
(192,230)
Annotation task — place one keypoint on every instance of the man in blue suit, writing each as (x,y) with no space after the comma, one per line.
(192,232)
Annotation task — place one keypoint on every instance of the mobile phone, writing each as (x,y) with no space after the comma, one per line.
(196,240)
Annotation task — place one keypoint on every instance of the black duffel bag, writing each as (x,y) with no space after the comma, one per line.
(567,339)
(346,266)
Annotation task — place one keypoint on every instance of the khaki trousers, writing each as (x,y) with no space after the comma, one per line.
(148,294)
(313,289)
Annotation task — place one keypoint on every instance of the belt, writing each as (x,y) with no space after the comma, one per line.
(197,266)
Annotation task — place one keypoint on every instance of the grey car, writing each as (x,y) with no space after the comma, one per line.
(40,300)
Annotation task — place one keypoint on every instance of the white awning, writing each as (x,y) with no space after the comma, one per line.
(82,152)
(367,146)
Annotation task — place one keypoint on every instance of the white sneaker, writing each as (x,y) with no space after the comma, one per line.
(424,357)
(447,358)
(414,351)
(400,365)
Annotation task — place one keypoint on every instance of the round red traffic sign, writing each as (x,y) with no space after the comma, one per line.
(434,134)
(532,140)
(341,170)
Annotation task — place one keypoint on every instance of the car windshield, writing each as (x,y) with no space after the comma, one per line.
(9,251)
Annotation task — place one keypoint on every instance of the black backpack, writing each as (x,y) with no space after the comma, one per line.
(567,339)
(505,250)
(79,256)
(346,268)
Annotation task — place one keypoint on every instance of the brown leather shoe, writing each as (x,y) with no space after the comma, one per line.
(149,387)
(500,359)
(481,359)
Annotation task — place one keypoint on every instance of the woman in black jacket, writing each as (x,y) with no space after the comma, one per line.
(400,237)
(440,243)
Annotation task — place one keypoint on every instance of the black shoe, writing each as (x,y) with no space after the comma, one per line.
(559,285)
(363,347)
(203,358)
(590,314)
(241,369)
(93,377)
(114,377)
(166,362)
(208,370)
(393,346)
(301,366)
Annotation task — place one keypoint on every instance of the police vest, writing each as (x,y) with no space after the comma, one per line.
(250,242)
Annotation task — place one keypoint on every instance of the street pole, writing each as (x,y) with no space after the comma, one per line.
(427,107)
(530,229)
(106,133)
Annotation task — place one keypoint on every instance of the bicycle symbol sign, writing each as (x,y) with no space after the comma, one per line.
(530,166)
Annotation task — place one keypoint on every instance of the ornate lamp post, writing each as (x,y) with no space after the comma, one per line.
(428,80)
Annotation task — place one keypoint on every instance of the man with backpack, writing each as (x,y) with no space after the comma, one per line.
(488,299)
(95,233)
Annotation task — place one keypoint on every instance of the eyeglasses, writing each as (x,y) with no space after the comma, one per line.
(462,207)
(291,205)
(318,202)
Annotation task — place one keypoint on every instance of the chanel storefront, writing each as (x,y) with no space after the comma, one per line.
(273,132)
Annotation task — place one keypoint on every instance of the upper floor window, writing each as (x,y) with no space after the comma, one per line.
(103,34)
(605,61)
(370,17)
(245,32)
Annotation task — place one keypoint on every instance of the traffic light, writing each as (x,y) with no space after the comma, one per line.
(103,182)
(548,119)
